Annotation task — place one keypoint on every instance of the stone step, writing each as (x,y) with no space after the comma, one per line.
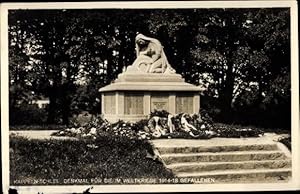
(223,148)
(213,166)
(222,156)
(253,175)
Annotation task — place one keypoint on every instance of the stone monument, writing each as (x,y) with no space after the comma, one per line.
(149,83)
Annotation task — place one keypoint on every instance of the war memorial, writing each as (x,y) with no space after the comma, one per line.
(149,84)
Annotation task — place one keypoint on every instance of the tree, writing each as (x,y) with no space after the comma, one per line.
(233,53)
(53,56)
(241,56)
(18,66)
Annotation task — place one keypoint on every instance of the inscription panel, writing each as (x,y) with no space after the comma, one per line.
(184,103)
(133,103)
(159,102)
(109,103)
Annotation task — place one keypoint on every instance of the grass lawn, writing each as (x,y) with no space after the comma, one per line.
(105,157)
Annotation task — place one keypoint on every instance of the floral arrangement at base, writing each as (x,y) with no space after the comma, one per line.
(160,124)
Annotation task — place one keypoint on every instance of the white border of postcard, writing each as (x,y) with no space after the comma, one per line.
(292,185)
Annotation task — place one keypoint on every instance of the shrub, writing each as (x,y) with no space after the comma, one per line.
(27,115)
(81,119)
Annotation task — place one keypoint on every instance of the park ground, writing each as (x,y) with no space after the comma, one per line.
(36,155)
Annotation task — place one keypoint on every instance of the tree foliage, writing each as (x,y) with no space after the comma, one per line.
(240,56)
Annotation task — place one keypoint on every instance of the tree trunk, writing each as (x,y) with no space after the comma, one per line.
(67,90)
(109,69)
(120,64)
(66,108)
(52,106)
(227,93)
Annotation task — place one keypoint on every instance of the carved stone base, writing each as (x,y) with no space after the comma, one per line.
(137,105)
(150,82)
(148,77)
(134,95)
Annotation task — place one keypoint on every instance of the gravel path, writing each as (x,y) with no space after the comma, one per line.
(39,134)
(46,134)
(265,139)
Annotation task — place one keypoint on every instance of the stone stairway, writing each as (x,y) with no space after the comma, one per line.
(227,160)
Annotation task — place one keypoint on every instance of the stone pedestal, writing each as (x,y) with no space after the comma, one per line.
(133,95)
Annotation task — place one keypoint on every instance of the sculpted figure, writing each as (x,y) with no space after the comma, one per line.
(151,57)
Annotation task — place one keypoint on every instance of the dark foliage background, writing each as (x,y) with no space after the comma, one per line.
(240,56)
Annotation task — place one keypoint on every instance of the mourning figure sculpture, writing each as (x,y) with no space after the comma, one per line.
(150,56)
